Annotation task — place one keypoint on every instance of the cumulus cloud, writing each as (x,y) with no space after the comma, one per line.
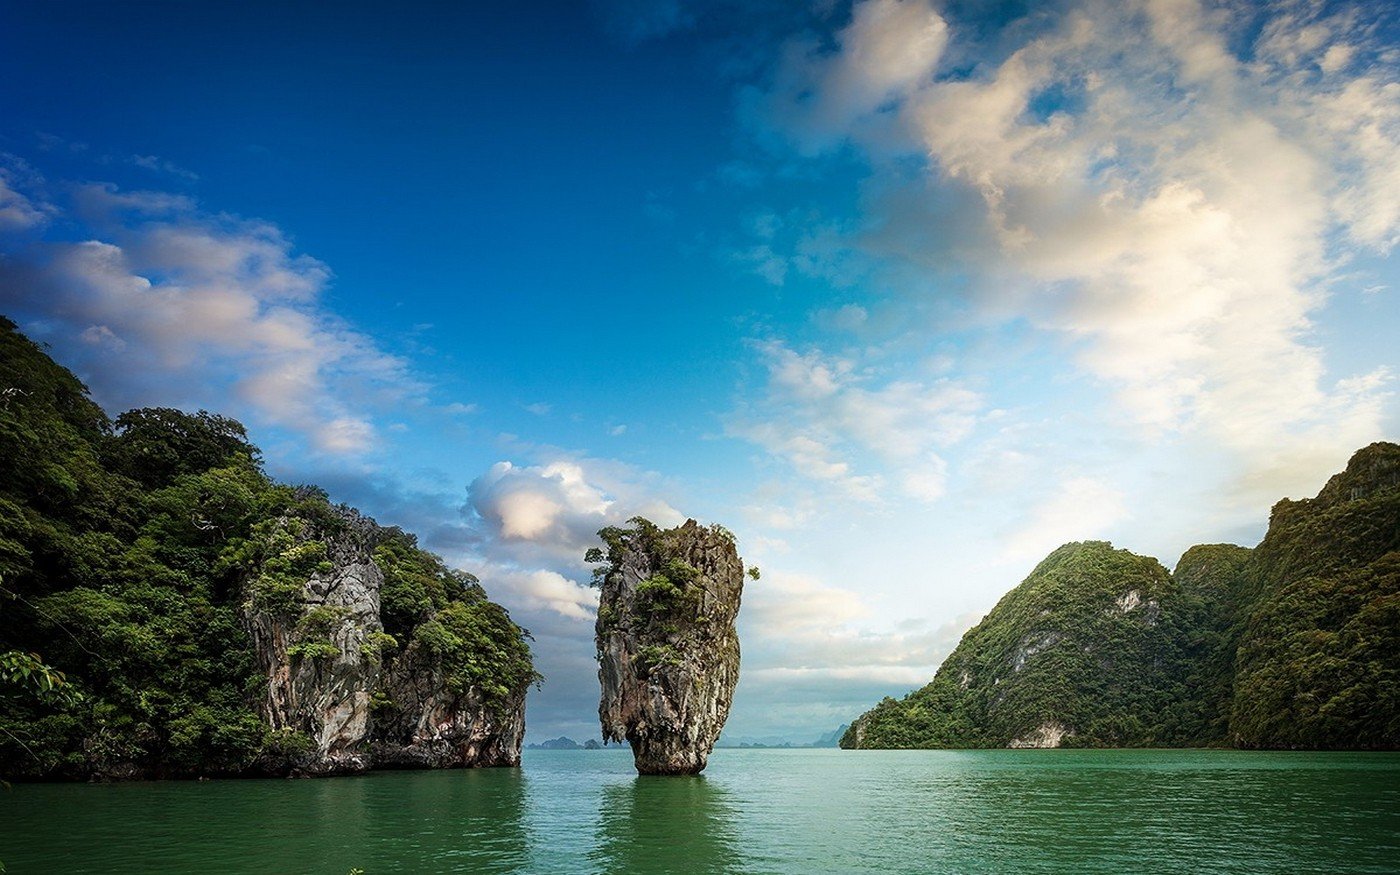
(824,415)
(1124,176)
(536,522)
(164,302)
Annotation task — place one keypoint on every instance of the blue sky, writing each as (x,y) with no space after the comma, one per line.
(904,293)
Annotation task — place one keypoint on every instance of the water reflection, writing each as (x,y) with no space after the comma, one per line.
(666,824)
(797,812)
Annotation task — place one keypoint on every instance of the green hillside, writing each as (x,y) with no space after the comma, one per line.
(131,555)
(1295,644)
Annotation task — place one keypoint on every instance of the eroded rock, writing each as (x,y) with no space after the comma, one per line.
(668,651)
(345,695)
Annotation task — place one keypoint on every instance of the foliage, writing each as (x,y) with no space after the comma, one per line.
(129,553)
(416,583)
(28,672)
(479,648)
(157,444)
(1318,664)
(1295,644)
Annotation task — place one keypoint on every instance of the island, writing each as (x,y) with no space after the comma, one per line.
(668,650)
(169,610)
(1294,644)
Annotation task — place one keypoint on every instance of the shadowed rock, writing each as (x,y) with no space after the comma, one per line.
(668,652)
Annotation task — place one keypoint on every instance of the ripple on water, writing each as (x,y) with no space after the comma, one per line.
(779,811)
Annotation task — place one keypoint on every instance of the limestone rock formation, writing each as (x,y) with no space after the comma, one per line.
(347,695)
(668,651)
(430,726)
(320,673)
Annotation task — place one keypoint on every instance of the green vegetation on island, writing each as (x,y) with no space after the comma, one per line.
(138,556)
(1295,644)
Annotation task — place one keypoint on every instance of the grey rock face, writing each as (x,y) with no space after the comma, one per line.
(431,727)
(325,695)
(335,678)
(668,651)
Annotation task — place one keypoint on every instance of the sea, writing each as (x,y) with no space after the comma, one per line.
(753,810)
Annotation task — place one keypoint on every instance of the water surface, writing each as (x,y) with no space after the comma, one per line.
(778,811)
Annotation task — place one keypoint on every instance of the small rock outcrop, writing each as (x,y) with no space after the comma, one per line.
(343,693)
(668,651)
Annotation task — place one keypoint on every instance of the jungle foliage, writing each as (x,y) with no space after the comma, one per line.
(1295,644)
(129,551)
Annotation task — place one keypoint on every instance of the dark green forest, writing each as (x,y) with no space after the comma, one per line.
(1292,645)
(132,550)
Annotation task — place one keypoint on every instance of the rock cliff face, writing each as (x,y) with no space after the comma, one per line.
(320,674)
(668,652)
(345,694)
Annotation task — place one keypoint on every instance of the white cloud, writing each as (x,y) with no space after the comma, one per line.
(167,302)
(546,590)
(783,604)
(546,516)
(1121,177)
(890,48)
(822,413)
(17,211)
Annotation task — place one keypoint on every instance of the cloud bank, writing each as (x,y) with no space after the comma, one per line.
(1172,189)
(160,301)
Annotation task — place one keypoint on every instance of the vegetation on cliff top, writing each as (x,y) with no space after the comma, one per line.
(128,551)
(1295,644)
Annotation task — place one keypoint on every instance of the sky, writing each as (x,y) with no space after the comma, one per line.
(904,293)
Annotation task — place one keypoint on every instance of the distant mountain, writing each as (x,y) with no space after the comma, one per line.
(560,743)
(1294,644)
(832,738)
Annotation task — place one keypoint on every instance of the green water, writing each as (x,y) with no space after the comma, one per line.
(799,811)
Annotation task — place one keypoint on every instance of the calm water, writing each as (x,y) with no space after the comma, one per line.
(799,811)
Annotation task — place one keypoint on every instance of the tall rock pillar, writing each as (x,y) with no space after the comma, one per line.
(668,651)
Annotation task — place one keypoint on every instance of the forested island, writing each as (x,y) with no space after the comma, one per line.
(1294,644)
(168,610)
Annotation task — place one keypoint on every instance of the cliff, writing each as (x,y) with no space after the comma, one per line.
(202,619)
(668,651)
(357,696)
(1295,644)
